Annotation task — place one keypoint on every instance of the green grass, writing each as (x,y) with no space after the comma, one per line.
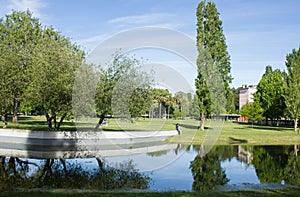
(236,133)
(231,134)
(273,193)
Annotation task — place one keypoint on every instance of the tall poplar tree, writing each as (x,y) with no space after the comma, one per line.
(292,86)
(211,41)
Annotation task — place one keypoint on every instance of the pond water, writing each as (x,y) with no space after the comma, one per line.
(175,167)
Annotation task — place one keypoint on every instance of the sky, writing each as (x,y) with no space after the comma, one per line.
(258,32)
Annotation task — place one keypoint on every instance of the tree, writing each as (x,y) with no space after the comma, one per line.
(164,99)
(210,37)
(52,75)
(170,102)
(252,111)
(292,86)
(182,102)
(120,85)
(270,94)
(194,107)
(20,33)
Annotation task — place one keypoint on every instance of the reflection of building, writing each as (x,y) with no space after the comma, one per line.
(246,95)
(244,155)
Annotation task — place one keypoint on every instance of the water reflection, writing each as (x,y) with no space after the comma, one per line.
(68,173)
(207,171)
(277,164)
(223,165)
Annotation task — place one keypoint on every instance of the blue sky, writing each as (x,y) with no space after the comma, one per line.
(258,32)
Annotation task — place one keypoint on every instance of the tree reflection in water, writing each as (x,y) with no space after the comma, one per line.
(207,171)
(275,164)
(60,173)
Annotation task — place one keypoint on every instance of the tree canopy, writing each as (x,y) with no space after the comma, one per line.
(212,51)
(37,67)
(292,86)
(270,93)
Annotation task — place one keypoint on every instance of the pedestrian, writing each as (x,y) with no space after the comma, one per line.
(178,129)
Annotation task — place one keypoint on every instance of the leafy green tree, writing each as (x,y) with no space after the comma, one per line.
(182,101)
(121,85)
(52,75)
(164,99)
(202,90)
(252,111)
(20,33)
(210,37)
(236,97)
(292,86)
(270,94)
(194,107)
(5,80)
(230,105)
(170,102)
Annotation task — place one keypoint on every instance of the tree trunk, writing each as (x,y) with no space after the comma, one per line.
(100,164)
(12,165)
(49,121)
(15,116)
(160,110)
(168,112)
(202,119)
(296,125)
(102,116)
(60,122)
(54,121)
(296,149)
(64,165)
(4,120)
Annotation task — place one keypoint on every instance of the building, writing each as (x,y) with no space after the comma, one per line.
(246,95)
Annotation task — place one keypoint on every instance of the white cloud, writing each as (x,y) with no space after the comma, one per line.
(34,6)
(90,43)
(144,19)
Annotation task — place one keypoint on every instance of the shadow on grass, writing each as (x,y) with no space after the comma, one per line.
(237,141)
(187,126)
(262,127)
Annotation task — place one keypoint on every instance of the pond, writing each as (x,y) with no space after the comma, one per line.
(154,166)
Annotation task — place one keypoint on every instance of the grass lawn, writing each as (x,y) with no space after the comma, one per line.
(274,193)
(236,133)
(231,134)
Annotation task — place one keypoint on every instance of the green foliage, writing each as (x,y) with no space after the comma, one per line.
(292,168)
(20,34)
(182,102)
(37,67)
(207,172)
(269,163)
(162,102)
(270,93)
(274,164)
(202,89)
(292,86)
(123,89)
(194,107)
(52,76)
(210,38)
(252,111)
